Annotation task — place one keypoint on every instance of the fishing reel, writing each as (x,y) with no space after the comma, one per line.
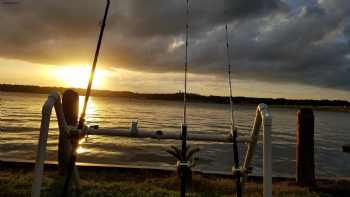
(242,171)
(90,127)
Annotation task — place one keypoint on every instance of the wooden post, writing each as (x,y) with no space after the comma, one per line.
(305,148)
(346,148)
(70,103)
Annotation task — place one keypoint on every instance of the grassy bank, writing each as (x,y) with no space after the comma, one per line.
(18,183)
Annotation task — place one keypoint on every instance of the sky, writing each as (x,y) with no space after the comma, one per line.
(278,48)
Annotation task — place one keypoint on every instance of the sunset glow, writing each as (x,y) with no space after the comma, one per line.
(81,149)
(78,76)
(91,107)
(272,51)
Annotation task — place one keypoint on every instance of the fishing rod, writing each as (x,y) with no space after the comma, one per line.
(75,137)
(184,163)
(236,169)
(97,52)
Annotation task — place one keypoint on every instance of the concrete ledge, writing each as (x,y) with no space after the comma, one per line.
(28,165)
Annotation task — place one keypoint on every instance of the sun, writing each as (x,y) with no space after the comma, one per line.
(77,76)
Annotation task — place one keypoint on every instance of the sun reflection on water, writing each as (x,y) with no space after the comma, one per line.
(90,111)
(91,107)
(80,148)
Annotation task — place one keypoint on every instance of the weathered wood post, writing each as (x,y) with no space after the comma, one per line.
(70,103)
(346,148)
(305,148)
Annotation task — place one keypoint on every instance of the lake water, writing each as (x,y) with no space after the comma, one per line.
(20,116)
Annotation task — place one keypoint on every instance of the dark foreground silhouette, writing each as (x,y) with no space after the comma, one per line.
(17,182)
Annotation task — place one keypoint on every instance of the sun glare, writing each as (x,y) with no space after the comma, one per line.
(91,108)
(78,76)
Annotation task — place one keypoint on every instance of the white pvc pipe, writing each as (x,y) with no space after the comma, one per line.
(263,117)
(254,139)
(263,120)
(54,100)
(41,151)
(166,135)
(267,150)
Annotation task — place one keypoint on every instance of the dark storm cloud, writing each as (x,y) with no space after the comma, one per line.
(167,18)
(269,40)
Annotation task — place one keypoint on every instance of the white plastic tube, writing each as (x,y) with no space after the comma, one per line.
(54,100)
(263,119)
(267,152)
(166,135)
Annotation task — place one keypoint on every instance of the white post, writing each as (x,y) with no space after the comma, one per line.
(267,152)
(41,152)
(254,138)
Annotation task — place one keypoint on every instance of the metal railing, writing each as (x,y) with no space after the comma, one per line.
(263,120)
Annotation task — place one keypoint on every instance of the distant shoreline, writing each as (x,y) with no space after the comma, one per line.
(328,105)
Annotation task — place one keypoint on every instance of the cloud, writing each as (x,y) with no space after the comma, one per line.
(271,40)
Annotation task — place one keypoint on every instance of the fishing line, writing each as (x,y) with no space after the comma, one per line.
(74,138)
(186,61)
(93,68)
(236,169)
(184,165)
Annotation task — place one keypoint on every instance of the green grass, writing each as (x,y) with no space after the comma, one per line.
(18,183)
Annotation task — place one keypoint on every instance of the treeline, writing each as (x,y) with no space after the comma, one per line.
(179,96)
